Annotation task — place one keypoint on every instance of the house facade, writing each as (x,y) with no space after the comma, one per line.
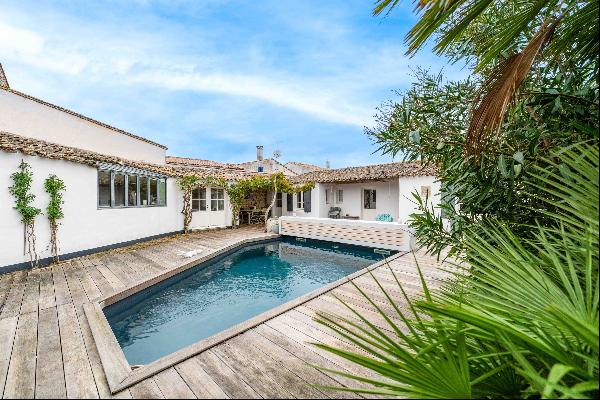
(120,187)
(375,192)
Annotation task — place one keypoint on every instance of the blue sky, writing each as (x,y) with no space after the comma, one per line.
(214,78)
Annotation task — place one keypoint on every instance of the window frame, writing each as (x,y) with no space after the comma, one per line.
(137,190)
(200,199)
(300,201)
(371,201)
(426,191)
(279,200)
(218,200)
(109,189)
(127,176)
(113,192)
(337,196)
(327,196)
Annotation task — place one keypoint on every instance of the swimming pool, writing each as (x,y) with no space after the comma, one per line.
(227,290)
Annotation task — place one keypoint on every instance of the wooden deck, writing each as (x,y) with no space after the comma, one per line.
(47,349)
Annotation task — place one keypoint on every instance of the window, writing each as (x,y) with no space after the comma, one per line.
(116,189)
(153,191)
(199,199)
(143,191)
(217,199)
(261,169)
(425,192)
(132,190)
(340,196)
(300,200)
(279,199)
(327,196)
(103,188)
(119,190)
(370,199)
(162,192)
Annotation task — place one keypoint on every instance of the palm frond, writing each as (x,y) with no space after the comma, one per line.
(500,89)
(520,320)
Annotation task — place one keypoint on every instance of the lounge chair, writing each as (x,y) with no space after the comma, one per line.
(335,212)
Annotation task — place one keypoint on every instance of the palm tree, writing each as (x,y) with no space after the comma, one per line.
(520,320)
(510,37)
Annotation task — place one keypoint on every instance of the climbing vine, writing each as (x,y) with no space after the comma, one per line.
(186,184)
(238,190)
(280,183)
(20,189)
(54,187)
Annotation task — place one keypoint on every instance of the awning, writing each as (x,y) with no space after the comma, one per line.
(125,169)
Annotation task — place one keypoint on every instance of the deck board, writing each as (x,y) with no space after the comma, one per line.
(79,379)
(20,379)
(49,375)
(8,328)
(47,348)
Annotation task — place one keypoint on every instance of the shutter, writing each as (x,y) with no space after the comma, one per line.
(307,200)
(290,201)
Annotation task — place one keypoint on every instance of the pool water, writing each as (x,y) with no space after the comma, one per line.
(227,290)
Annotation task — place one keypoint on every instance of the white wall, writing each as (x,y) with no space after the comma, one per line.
(387,199)
(383,235)
(25,117)
(394,197)
(84,225)
(317,197)
(410,184)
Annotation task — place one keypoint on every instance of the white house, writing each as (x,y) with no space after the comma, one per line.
(302,168)
(364,193)
(265,165)
(119,186)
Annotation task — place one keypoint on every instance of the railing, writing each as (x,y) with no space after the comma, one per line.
(384,235)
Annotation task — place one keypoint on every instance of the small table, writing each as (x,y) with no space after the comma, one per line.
(349,217)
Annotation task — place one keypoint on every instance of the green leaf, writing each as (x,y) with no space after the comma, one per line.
(502,166)
(517,169)
(557,372)
(518,157)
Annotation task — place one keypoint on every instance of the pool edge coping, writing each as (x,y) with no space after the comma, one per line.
(119,373)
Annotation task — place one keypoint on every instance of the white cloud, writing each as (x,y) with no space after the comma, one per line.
(102,61)
(16,40)
(311,101)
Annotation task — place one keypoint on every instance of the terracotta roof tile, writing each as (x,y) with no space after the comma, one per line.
(172,160)
(306,166)
(15,143)
(3,81)
(367,173)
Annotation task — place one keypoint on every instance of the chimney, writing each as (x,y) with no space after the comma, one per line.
(259,153)
(3,80)
(327,164)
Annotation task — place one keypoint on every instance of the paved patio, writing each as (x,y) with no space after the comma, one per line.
(47,349)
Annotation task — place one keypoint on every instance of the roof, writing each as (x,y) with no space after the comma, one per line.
(4,86)
(305,166)
(196,162)
(12,143)
(375,172)
(3,81)
(271,160)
